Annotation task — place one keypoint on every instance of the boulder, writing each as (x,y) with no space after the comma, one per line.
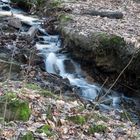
(69,66)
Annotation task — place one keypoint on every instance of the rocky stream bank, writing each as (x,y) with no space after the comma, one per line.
(102,42)
(41,110)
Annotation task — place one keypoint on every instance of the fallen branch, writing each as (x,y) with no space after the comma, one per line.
(108,14)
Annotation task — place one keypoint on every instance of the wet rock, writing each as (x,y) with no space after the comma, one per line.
(69,66)
(30,34)
(14,22)
(55,83)
(5,7)
(6,1)
(23,4)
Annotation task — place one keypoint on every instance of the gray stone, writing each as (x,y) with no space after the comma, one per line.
(14,22)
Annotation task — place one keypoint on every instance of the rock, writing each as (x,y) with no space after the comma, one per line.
(55,83)
(69,66)
(30,34)
(5,62)
(5,7)
(6,1)
(14,22)
(23,4)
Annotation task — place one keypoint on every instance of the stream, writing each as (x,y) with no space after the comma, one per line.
(58,62)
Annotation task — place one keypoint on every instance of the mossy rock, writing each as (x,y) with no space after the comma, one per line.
(28,136)
(14,108)
(97,129)
(106,40)
(45,129)
(78,119)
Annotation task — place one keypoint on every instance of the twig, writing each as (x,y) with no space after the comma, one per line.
(100,99)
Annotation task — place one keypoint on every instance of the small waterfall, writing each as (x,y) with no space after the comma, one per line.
(60,66)
(51,63)
(59,63)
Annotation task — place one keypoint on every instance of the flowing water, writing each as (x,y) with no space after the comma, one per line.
(61,64)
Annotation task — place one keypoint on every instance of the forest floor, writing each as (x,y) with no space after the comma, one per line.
(59,117)
(127,27)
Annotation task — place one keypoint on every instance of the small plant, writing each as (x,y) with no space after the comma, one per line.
(32,86)
(63,18)
(46,129)
(28,136)
(125,116)
(16,109)
(47,93)
(97,129)
(55,3)
(78,119)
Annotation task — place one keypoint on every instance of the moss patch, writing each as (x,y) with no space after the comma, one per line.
(46,129)
(105,40)
(97,129)
(14,108)
(55,3)
(78,119)
(28,136)
(33,86)
(64,18)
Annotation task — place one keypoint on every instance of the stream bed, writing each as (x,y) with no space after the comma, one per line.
(59,62)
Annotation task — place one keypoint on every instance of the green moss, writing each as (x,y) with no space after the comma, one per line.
(39,3)
(49,112)
(63,18)
(97,129)
(28,136)
(21,109)
(78,119)
(32,86)
(104,40)
(55,3)
(47,93)
(14,108)
(46,129)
